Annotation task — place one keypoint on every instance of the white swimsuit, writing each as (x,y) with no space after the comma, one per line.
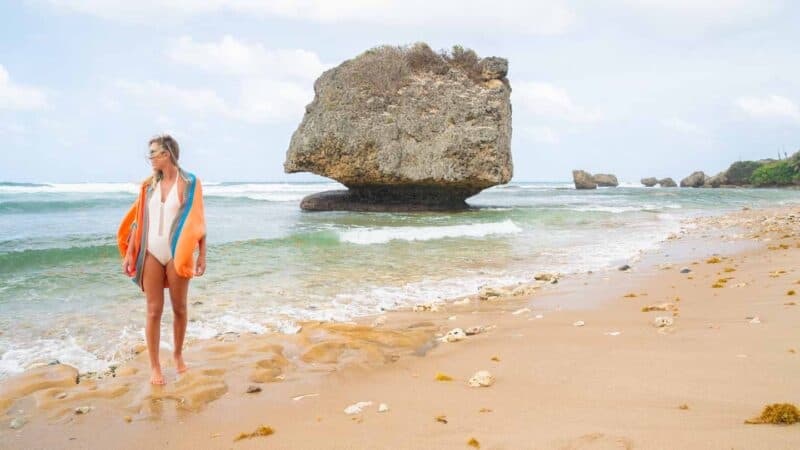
(161,216)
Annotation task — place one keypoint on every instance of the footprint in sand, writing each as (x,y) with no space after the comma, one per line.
(598,441)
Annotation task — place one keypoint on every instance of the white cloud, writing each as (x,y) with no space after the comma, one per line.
(520,16)
(550,101)
(166,97)
(544,135)
(771,107)
(18,97)
(681,126)
(260,101)
(235,57)
(704,12)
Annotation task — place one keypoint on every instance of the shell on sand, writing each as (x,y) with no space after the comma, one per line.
(482,378)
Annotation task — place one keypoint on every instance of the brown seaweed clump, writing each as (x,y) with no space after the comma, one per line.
(443,377)
(472,442)
(777,413)
(260,431)
(713,260)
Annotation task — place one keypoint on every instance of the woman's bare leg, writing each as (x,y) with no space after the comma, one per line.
(178,291)
(153,282)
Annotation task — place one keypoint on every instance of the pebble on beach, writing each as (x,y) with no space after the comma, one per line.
(482,378)
(356,408)
(662,321)
(578,323)
(17,423)
(83,410)
(454,335)
(252,389)
(383,407)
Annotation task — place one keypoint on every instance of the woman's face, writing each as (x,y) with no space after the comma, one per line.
(159,157)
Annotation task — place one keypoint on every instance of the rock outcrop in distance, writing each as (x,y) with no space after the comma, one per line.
(406,129)
(664,182)
(667,182)
(605,180)
(583,180)
(649,181)
(696,179)
(784,172)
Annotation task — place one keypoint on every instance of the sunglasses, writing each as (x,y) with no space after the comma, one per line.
(153,155)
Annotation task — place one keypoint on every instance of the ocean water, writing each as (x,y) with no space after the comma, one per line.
(63,295)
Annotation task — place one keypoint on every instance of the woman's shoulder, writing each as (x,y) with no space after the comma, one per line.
(188,177)
(147,181)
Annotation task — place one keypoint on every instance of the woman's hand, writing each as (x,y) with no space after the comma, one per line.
(200,268)
(128,265)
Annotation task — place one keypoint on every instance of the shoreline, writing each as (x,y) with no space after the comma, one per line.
(345,363)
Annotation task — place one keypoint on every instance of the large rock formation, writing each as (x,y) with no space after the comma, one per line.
(605,180)
(649,181)
(716,181)
(696,179)
(406,129)
(667,183)
(583,180)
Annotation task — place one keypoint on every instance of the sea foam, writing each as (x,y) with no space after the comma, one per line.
(383,235)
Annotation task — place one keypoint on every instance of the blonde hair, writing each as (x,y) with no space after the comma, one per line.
(170,145)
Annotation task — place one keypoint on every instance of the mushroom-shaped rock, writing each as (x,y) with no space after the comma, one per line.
(406,128)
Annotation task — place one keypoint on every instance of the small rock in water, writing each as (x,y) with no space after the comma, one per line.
(624,268)
(488,292)
(521,311)
(548,277)
(481,378)
(755,320)
(54,362)
(17,423)
(356,408)
(686,270)
(61,395)
(83,410)
(578,323)
(383,407)
(662,321)
(252,389)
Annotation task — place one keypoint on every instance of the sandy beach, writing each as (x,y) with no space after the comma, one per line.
(576,364)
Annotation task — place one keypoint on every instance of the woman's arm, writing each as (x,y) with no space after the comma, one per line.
(200,268)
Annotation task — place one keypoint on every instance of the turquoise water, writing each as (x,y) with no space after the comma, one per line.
(63,296)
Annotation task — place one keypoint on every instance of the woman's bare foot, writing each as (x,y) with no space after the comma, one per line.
(180,366)
(157,377)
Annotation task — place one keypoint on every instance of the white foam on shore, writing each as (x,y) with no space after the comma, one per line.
(77,188)
(383,235)
(623,209)
(42,351)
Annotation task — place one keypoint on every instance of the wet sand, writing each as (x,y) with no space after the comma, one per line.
(618,381)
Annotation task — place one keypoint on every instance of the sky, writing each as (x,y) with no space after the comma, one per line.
(632,87)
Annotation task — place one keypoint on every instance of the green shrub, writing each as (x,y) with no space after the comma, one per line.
(778,173)
(384,69)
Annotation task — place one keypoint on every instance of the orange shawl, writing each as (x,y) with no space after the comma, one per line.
(185,233)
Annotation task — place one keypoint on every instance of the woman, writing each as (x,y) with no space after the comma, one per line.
(157,239)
